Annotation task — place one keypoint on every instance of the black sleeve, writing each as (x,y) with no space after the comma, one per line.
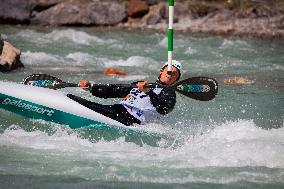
(110,91)
(163,102)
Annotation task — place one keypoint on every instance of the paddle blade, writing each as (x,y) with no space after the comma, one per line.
(46,81)
(198,88)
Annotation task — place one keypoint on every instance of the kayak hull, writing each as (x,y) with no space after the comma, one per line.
(54,106)
(49,105)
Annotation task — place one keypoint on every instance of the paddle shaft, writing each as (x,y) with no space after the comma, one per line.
(198,88)
(150,85)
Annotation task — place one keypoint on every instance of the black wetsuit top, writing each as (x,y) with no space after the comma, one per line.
(163,102)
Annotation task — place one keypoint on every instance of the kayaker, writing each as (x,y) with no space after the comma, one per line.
(140,105)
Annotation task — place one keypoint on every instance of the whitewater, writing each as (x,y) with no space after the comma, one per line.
(233,141)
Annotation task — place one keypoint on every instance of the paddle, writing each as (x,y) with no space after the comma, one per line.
(198,88)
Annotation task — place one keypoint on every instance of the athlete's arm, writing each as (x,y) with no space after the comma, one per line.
(163,102)
(110,91)
(105,91)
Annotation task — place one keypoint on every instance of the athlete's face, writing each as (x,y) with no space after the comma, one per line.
(169,79)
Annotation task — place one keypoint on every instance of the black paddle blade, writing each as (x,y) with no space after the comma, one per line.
(46,81)
(198,88)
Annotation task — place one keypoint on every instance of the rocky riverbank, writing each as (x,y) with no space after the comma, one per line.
(258,18)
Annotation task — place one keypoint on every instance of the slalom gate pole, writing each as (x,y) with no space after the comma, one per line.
(170,35)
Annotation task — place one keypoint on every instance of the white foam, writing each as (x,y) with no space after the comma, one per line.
(133,61)
(36,58)
(81,58)
(227,44)
(177,42)
(237,144)
(272,67)
(75,36)
(232,144)
(190,51)
(164,42)
(75,59)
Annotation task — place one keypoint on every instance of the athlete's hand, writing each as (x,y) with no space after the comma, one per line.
(84,84)
(143,86)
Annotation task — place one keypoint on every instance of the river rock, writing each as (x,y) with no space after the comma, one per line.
(40,5)
(15,11)
(87,12)
(137,8)
(70,12)
(154,15)
(106,13)
(10,58)
(152,2)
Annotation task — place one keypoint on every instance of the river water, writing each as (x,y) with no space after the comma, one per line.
(233,141)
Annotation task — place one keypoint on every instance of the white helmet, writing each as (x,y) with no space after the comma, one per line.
(176,64)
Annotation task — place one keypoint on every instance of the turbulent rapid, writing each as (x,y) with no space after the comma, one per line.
(233,141)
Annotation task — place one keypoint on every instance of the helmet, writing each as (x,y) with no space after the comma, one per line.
(175,64)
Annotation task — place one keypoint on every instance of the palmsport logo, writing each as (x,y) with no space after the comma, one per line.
(27,107)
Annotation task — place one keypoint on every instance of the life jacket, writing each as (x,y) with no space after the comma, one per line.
(139,105)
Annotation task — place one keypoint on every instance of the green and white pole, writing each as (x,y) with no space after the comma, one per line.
(170,35)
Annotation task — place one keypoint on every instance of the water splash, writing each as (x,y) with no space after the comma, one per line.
(40,58)
(71,35)
(232,144)
(133,61)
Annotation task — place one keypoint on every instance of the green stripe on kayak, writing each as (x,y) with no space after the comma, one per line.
(36,111)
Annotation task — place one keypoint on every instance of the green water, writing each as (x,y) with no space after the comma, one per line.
(233,141)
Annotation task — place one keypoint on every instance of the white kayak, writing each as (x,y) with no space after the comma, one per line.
(50,105)
(54,106)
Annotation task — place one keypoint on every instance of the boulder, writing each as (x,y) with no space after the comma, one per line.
(137,8)
(87,12)
(70,12)
(15,11)
(151,2)
(153,19)
(10,58)
(106,13)
(154,16)
(40,5)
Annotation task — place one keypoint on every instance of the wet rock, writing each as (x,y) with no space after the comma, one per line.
(154,16)
(15,11)
(153,19)
(151,2)
(40,5)
(137,8)
(87,12)
(71,12)
(106,13)
(134,22)
(10,58)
